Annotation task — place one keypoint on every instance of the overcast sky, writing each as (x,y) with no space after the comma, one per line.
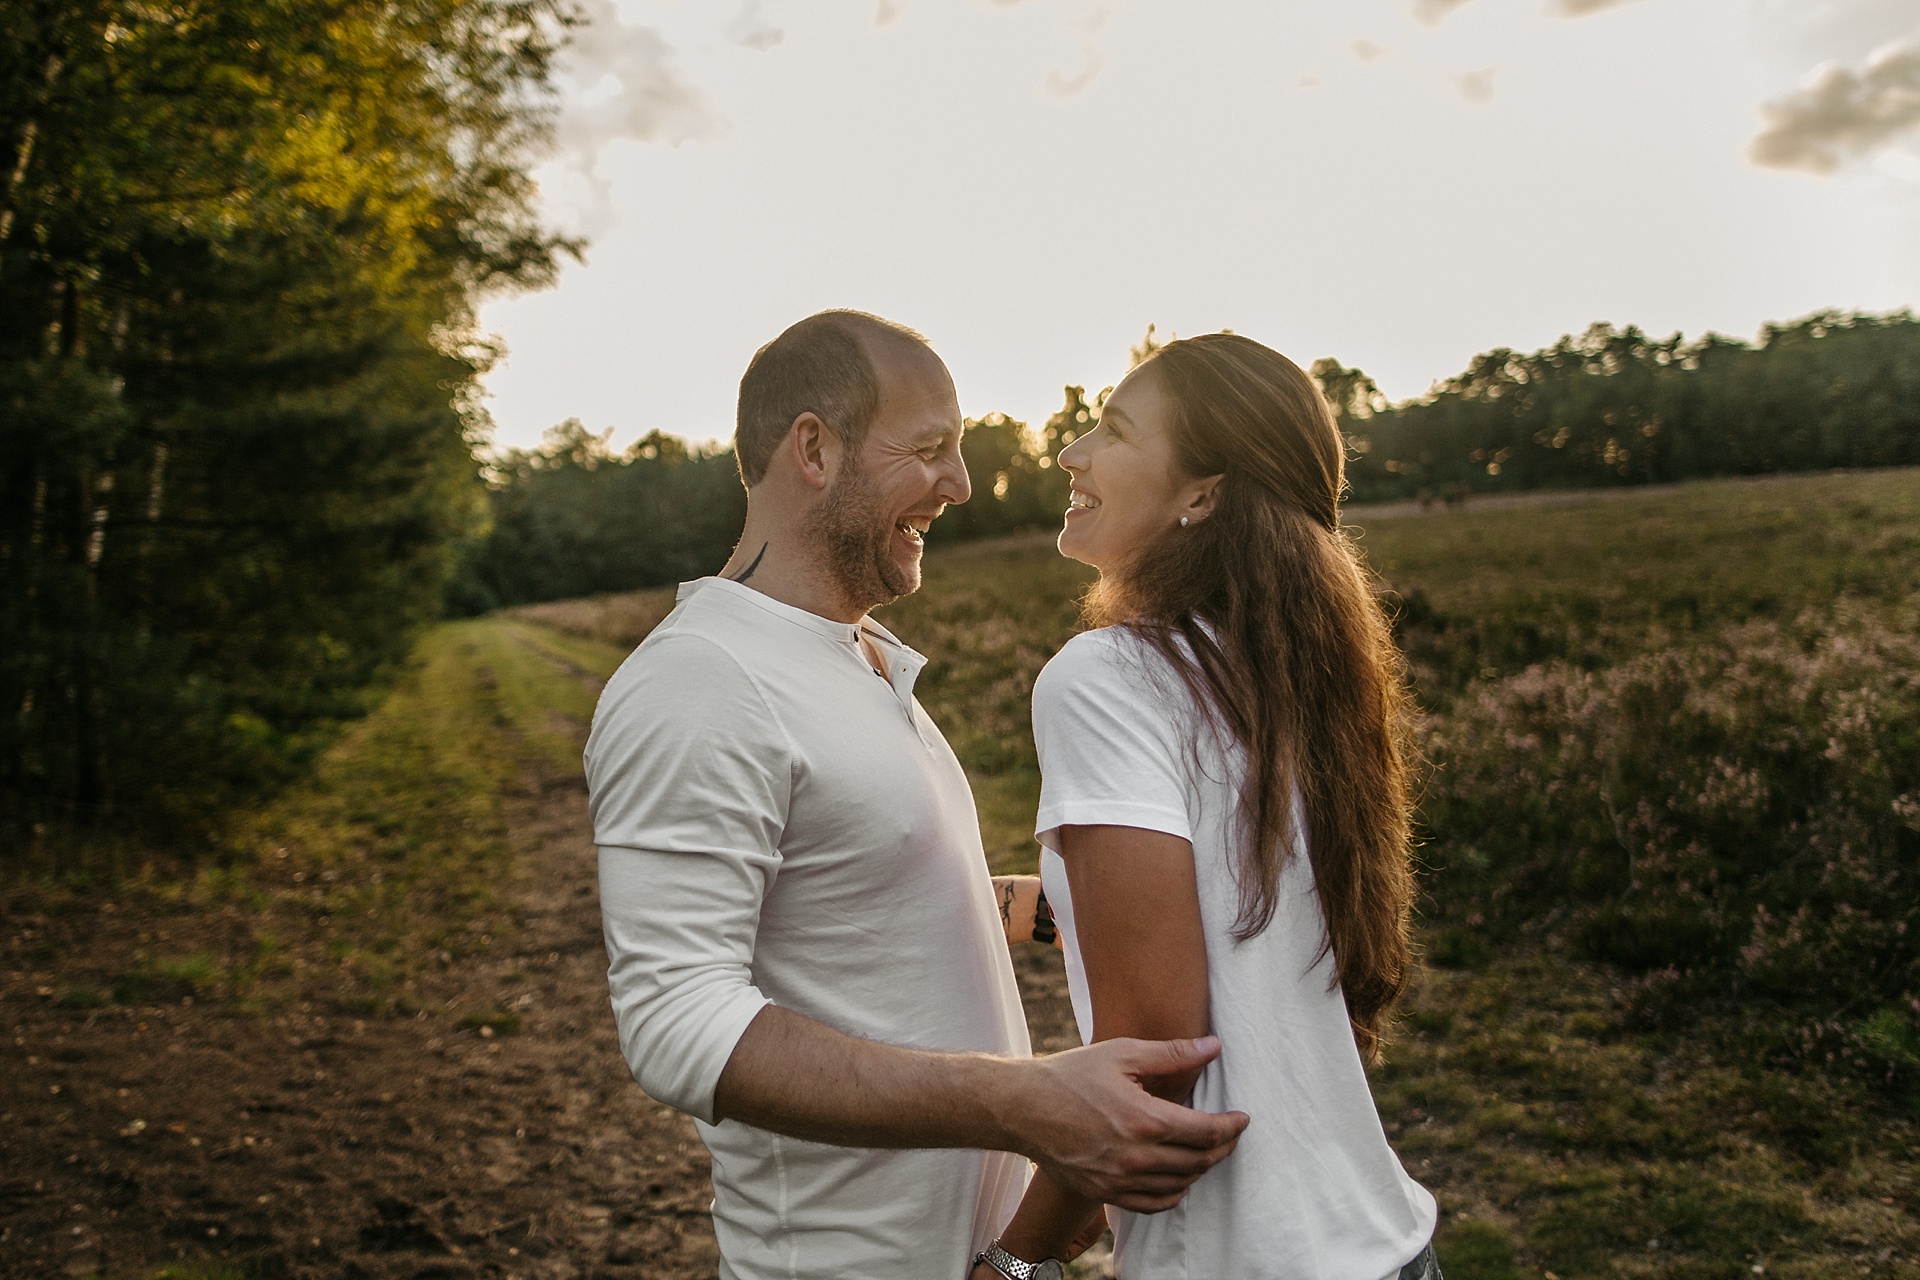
(1398,183)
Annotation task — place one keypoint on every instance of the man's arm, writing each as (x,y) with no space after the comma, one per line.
(1024,913)
(701,1038)
(1083,1115)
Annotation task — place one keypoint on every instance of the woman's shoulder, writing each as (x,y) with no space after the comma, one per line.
(1098,653)
(1114,664)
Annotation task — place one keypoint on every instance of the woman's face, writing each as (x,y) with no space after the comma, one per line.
(1127,488)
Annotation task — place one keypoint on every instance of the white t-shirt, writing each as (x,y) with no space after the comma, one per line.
(1313,1191)
(778,823)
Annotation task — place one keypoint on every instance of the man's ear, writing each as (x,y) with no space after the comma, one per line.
(1202,498)
(815,448)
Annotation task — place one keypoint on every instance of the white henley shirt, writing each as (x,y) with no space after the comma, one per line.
(777,823)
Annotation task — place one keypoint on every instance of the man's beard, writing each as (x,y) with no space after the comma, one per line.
(856,538)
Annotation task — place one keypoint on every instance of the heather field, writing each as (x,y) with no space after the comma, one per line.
(1666,1020)
(1665,1023)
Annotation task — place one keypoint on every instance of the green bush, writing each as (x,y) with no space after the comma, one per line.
(1734,814)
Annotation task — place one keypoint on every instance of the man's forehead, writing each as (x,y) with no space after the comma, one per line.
(901,360)
(916,392)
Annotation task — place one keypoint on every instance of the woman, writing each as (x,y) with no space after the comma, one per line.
(1224,819)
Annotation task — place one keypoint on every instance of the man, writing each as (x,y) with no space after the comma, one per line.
(805,951)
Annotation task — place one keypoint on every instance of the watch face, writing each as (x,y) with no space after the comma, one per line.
(1048,1269)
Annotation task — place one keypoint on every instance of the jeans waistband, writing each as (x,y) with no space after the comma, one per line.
(1423,1267)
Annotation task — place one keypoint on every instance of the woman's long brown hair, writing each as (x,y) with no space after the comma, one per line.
(1269,616)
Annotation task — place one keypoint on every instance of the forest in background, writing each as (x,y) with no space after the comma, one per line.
(1611,407)
(240,251)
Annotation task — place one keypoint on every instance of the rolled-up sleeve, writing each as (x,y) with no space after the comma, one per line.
(690,779)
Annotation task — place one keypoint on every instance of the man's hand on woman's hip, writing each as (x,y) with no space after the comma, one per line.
(1083,1115)
(1099,1133)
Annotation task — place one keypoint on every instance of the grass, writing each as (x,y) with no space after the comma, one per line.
(399,844)
(1559,1139)
(393,857)
(1596,577)
(1593,578)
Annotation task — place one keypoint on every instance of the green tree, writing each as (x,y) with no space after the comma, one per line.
(1614,406)
(573,518)
(240,247)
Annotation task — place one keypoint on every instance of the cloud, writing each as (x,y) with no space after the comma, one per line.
(1582,8)
(1367,50)
(751,28)
(1475,86)
(1062,85)
(619,82)
(1902,166)
(1432,11)
(887,12)
(1838,113)
(1066,86)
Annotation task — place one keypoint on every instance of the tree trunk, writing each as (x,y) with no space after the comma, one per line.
(28,132)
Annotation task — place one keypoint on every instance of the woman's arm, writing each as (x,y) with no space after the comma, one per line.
(1023,910)
(1136,913)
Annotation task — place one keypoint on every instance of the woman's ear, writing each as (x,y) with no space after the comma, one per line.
(1201,498)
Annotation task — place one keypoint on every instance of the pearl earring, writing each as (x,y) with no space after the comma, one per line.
(1183,522)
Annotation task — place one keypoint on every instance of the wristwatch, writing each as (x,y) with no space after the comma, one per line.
(1044,931)
(1014,1269)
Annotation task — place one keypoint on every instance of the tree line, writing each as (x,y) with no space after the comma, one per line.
(1616,407)
(1610,407)
(240,250)
(573,517)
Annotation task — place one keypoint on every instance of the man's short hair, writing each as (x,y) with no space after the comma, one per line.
(822,365)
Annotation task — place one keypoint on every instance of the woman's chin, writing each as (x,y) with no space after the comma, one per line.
(1073,547)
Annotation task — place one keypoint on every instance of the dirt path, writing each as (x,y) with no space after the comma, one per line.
(313,1145)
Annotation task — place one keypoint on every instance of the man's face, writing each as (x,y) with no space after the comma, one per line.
(908,469)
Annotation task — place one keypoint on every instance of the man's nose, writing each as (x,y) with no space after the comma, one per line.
(955,485)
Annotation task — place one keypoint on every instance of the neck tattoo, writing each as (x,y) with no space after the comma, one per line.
(747,572)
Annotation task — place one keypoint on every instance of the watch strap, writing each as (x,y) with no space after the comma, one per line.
(1044,930)
(1015,1268)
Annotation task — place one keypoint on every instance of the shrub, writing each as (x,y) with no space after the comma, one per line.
(1738,813)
